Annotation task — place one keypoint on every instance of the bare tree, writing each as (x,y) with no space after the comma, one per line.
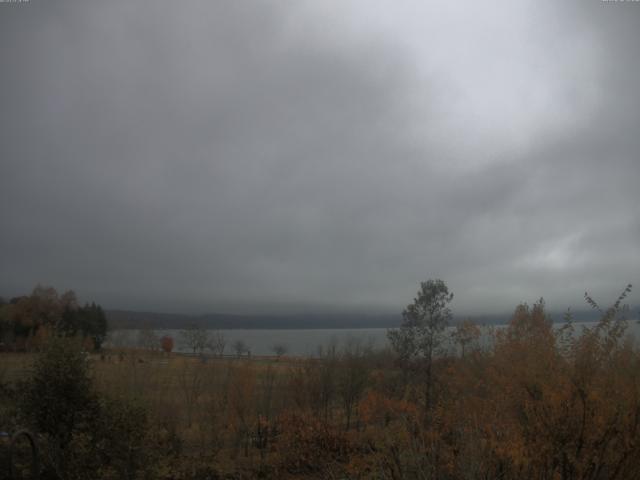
(196,338)
(264,410)
(320,375)
(240,347)
(279,349)
(217,343)
(148,338)
(118,338)
(466,334)
(352,376)
(191,379)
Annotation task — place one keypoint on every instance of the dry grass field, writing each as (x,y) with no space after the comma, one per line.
(208,406)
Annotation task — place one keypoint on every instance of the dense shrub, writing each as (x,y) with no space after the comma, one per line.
(308,445)
(58,398)
(81,434)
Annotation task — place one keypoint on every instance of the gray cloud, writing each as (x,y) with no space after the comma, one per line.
(240,156)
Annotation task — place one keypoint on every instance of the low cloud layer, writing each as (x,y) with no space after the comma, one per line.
(286,156)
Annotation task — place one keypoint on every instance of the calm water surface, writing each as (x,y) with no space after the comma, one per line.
(298,342)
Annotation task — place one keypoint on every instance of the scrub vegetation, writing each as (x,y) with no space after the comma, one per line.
(535,402)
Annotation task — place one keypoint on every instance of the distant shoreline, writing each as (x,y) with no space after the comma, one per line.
(132,320)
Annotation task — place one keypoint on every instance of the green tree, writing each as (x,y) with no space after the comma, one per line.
(96,324)
(421,333)
(48,311)
(88,321)
(58,400)
(83,434)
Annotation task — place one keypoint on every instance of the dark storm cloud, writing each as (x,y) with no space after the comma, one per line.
(215,156)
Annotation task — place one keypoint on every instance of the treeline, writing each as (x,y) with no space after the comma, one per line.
(535,402)
(26,322)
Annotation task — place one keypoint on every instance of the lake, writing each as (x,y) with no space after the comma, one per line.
(300,342)
(260,342)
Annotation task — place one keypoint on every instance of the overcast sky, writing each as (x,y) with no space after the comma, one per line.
(299,155)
